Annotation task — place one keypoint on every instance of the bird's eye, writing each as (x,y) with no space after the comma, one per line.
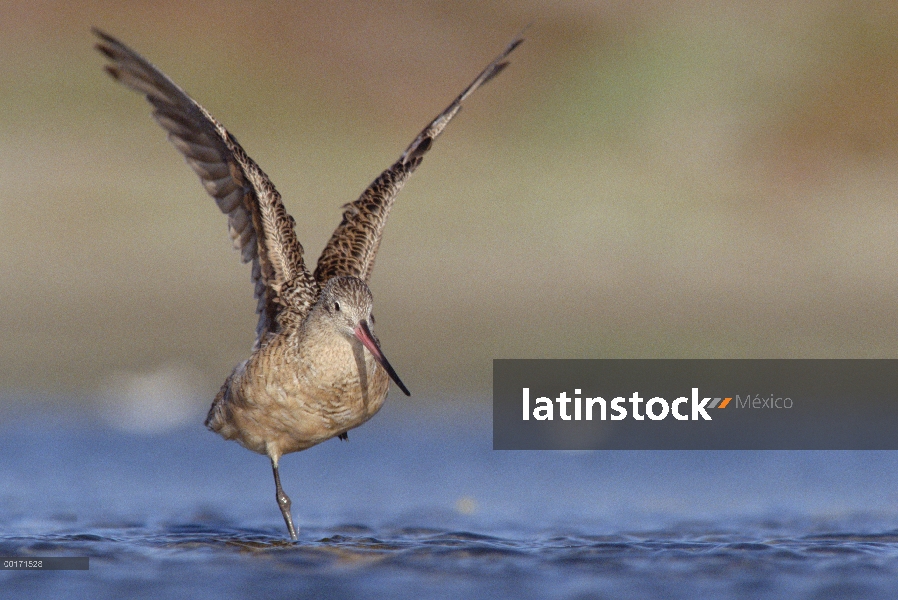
(337,306)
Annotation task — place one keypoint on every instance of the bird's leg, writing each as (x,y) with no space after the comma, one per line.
(283,500)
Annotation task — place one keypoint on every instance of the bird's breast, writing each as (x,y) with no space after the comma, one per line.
(294,396)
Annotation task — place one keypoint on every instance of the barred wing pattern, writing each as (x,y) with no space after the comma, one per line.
(257,221)
(353,246)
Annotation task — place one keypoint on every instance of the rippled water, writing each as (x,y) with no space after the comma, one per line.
(418,505)
(698,560)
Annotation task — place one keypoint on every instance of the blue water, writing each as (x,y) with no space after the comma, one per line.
(417,504)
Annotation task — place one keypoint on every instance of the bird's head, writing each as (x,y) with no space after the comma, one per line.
(346,303)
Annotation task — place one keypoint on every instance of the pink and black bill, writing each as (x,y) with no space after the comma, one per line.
(364,334)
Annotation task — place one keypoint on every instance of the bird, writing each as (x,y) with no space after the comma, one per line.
(316,368)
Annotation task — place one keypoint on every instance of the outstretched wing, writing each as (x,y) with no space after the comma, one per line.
(258,223)
(353,247)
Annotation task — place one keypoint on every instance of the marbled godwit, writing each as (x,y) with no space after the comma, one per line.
(316,368)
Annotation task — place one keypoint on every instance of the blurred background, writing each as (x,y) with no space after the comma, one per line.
(646,180)
(657,179)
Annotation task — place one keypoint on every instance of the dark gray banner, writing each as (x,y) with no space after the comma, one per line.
(44,563)
(695,404)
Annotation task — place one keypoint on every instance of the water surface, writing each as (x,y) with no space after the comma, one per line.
(417,504)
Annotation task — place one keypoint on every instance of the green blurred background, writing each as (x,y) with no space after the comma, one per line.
(660,179)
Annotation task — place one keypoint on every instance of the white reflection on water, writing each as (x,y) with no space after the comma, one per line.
(166,398)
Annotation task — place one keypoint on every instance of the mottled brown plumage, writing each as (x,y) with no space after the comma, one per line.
(352,248)
(316,369)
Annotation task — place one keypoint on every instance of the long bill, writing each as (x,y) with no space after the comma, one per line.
(364,335)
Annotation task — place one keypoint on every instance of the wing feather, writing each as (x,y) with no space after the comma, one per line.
(259,225)
(353,246)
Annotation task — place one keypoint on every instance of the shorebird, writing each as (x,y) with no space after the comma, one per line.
(316,369)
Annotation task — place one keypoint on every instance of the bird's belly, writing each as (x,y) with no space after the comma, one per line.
(282,410)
